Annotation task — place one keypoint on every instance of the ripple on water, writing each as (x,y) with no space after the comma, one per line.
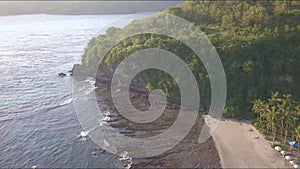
(38,123)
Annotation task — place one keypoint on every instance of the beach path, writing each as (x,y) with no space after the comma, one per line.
(239,147)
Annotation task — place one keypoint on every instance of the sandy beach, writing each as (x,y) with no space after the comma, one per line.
(239,147)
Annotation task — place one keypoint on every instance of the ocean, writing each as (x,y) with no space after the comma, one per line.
(38,123)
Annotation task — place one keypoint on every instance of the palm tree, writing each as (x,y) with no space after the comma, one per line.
(297,132)
(258,108)
(273,115)
(296,112)
(282,114)
(279,114)
(287,116)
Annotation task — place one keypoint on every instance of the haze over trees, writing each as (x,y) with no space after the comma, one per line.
(82,7)
(258,43)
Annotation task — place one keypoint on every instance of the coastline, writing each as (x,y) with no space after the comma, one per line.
(187,154)
(232,145)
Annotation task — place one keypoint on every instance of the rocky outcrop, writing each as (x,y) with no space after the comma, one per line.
(79,71)
(104,76)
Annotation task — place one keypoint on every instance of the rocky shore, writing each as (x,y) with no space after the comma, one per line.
(104,77)
(187,154)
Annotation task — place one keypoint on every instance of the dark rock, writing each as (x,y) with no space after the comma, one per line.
(113,120)
(62,74)
(94,154)
(102,151)
(96,148)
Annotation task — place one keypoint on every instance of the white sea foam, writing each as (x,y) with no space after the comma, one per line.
(66,102)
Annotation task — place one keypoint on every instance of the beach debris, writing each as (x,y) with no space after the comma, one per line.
(293,143)
(256,137)
(285,153)
(296,166)
(297,162)
(288,157)
(250,129)
(278,148)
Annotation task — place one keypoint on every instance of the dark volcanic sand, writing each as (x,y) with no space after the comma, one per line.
(187,154)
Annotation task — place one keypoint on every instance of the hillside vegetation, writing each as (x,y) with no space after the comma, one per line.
(257,41)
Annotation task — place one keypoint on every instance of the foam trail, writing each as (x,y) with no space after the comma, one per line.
(66,102)
(127,159)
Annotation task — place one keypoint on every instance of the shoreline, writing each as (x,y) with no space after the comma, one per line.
(188,153)
(240,145)
(233,142)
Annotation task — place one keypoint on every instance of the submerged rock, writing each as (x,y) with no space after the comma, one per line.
(62,74)
(94,154)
